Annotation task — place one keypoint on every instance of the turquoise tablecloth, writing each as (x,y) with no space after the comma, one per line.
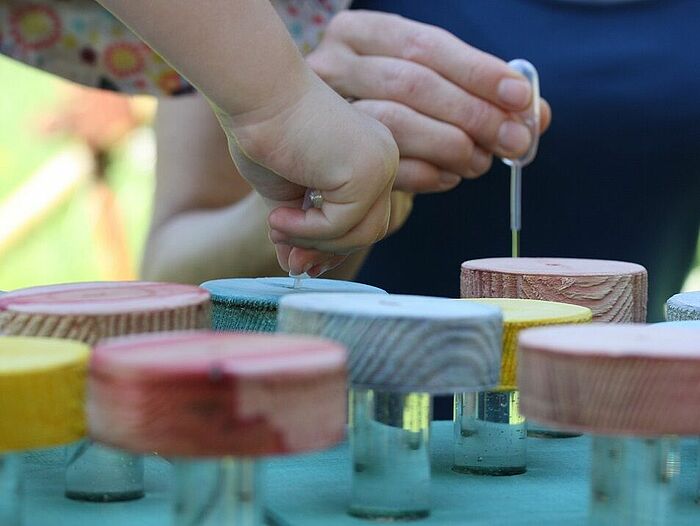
(312,490)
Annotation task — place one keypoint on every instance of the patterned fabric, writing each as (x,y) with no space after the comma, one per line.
(81,41)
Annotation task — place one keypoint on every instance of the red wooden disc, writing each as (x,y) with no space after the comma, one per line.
(641,380)
(91,311)
(217,394)
(615,291)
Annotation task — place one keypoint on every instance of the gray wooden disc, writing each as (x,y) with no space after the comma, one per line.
(404,343)
(684,306)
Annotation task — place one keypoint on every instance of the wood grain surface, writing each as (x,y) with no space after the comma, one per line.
(626,379)
(88,312)
(684,306)
(250,304)
(523,314)
(615,291)
(217,394)
(404,343)
(42,392)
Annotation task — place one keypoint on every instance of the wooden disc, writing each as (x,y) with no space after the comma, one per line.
(683,324)
(684,306)
(614,291)
(42,392)
(217,394)
(251,304)
(89,312)
(640,380)
(404,343)
(523,314)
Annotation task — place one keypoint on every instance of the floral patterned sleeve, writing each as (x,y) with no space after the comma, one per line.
(81,41)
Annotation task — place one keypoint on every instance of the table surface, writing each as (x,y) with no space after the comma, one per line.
(313,490)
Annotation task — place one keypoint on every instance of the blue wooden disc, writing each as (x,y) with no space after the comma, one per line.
(250,304)
(684,306)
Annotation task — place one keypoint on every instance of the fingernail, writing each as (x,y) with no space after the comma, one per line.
(308,267)
(514,92)
(448,180)
(514,138)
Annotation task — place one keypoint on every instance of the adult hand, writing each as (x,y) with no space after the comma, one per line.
(450,107)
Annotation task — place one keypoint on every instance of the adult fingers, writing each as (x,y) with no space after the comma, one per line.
(425,91)
(479,73)
(421,137)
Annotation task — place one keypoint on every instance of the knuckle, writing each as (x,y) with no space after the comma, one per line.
(419,46)
(477,117)
(488,163)
(372,108)
(404,79)
(388,114)
(475,74)
(461,147)
(340,23)
(481,166)
(321,63)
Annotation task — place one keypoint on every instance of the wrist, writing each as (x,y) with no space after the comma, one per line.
(267,126)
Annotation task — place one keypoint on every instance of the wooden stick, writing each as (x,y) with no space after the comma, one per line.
(615,291)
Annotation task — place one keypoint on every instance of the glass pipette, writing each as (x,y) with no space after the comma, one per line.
(531,119)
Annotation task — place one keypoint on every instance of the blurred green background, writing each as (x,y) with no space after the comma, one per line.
(61,247)
(67,244)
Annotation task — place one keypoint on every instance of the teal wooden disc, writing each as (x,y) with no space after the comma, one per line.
(250,304)
(684,306)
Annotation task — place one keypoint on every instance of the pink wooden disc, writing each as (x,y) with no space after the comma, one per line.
(91,311)
(217,394)
(640,380)
(615,291)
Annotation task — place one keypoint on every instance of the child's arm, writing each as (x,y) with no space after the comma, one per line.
(237,52)
(287,130)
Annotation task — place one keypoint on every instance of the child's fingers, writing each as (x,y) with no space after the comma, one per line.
(313,262)
(370,229)
(282,250)
(334,220)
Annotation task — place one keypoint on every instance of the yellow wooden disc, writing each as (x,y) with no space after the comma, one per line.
(42,392)
(522,314)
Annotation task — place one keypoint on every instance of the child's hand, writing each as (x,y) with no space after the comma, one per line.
(316,141)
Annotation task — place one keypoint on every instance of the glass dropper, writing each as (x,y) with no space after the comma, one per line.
(531,119)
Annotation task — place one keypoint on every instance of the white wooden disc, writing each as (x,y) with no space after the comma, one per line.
(404,343)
